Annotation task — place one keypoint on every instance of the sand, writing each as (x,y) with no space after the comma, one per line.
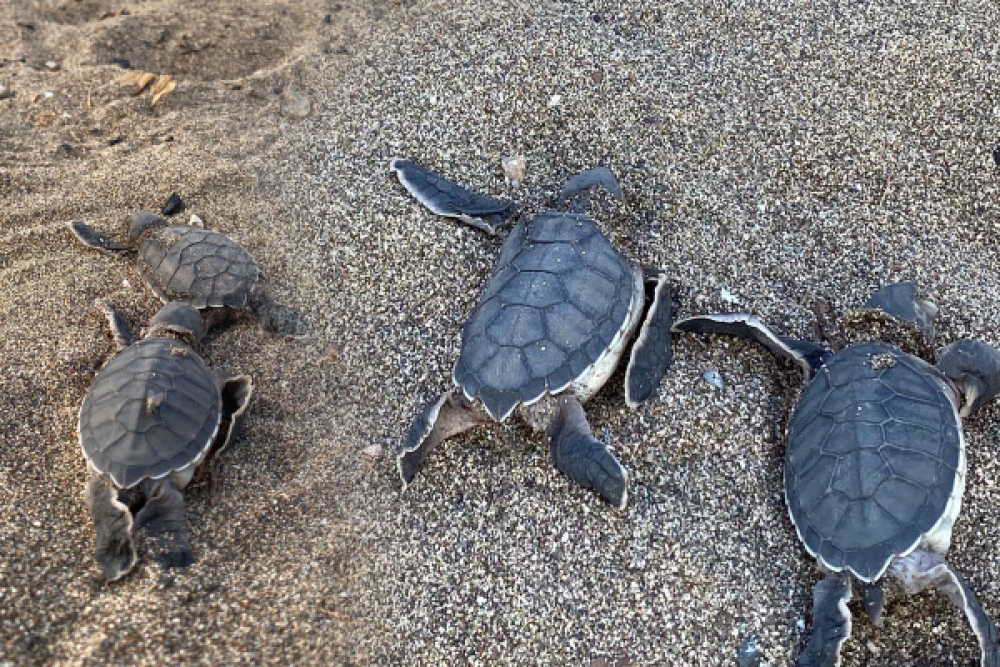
(780,155)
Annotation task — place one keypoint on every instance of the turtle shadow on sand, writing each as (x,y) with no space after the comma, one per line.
(549,329)
(199,267)
(875,461)
(154,415)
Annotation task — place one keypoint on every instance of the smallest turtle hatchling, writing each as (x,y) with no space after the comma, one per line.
(200,267)
(153,415)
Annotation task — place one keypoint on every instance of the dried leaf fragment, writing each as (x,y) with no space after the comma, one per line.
(163,87)
(159,85)
(145,79)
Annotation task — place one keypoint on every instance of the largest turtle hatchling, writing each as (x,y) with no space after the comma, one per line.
(550,327)
(875,465)
(200,267)
(153,415)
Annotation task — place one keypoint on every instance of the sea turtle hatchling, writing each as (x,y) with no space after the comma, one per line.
(153,415)
(875,464)
(550,327)
(200,267)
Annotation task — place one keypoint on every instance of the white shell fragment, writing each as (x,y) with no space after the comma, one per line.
(713,378)
(195,221)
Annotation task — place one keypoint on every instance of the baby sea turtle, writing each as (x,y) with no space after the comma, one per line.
(875,464)
(200,267)
(153,415)
(548,331)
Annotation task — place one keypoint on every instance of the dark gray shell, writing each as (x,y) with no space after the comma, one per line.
(559,295)
(153,409)
(874,450)
(199,267)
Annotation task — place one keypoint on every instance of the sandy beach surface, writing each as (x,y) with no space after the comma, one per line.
(782,158)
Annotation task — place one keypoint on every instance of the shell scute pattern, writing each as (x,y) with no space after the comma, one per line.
(872,458)
(197,266)
(553,306)
(120,436)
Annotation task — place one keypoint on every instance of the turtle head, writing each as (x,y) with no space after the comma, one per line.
(900,300)
(575,195)
(974,368)
(176,320)
(141,222)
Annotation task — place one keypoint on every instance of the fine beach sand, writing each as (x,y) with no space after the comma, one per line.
(790,157)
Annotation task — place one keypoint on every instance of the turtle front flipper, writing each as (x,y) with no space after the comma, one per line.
(92,238)
(575,195)
(448,416)
(582,457)
(162,519)
(809,356)
(831,622)
(921,570)
(120,329)
(112,526)
(651,355)
(451,200)
(974,367)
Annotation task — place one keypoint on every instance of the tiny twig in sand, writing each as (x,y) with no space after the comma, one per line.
(334,614)
(885,192)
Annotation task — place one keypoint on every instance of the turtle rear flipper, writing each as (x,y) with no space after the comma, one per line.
(448,416)
(275,318)
(451,200)
(831,622)
(873,600)
(921,570)
(809,356)
(651,355)
(582,457)
(92,238)
(162,519)
(113,527)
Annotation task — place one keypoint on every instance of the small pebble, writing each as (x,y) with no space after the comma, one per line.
(555,100)
(295,104)
(172,205)
(52,65)
(996,154)
(514,167)
(124,63)
(728,296)
(373,452)
(195,221)
(5,93)
(713,378)
(749,653)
